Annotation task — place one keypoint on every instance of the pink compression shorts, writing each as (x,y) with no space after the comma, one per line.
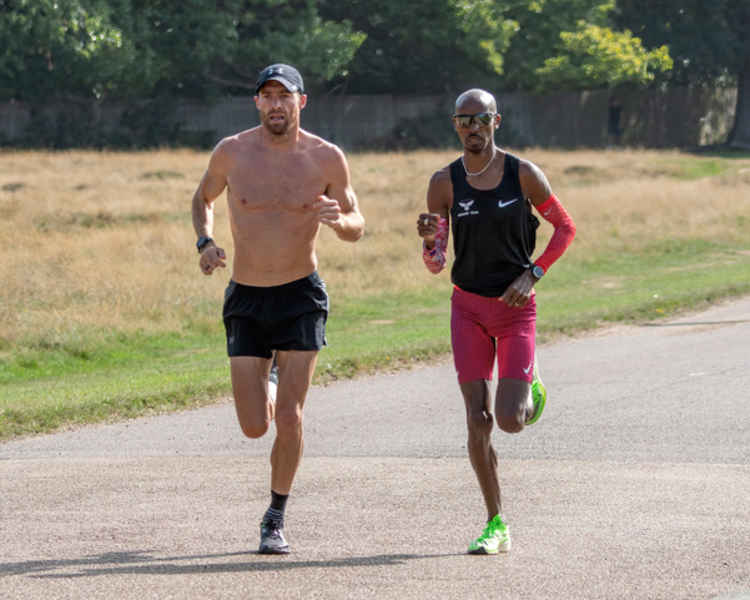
(482,327)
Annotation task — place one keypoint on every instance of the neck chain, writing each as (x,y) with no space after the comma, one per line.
(482,170)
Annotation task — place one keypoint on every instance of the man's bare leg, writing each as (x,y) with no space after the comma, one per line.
(252,402)
(479,421)
(255,410)
(495,537)
(295,374)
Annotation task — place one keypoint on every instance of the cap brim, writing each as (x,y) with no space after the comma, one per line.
(291,87)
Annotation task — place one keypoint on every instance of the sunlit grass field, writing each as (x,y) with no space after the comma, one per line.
(104,314)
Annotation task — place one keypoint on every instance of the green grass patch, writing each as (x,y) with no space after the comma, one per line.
(689,168)
(98,376)
(722,151)
(703,168)
(663,279)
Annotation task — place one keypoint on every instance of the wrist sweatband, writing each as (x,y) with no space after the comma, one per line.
(434,258)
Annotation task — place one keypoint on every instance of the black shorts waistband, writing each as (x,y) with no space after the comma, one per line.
(291,285)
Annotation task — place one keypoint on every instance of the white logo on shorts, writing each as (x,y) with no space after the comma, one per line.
(527,369)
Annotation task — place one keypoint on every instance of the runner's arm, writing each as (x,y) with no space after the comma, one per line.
(537,189)
(211,186)
(432,226)
(346,219)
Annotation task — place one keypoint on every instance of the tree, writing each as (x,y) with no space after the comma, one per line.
(128,49)
(595,56)
(178,44)
(708,42)
(270,31)
(423,46)
(57,49)
(574,44)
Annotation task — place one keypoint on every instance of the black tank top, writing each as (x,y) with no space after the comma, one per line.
(494,231)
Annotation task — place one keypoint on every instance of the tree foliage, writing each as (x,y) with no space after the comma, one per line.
(177,44)
(134,50)
(50,46)
(145,48)
(194,48)
(423,46)
(707,40)
(595,56)
(270,31)
(575,44)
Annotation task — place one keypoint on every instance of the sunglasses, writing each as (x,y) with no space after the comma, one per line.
(482,119)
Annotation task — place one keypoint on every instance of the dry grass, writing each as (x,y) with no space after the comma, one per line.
(624,199)
(105,239)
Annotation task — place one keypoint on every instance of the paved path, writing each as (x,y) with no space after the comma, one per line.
(634,484)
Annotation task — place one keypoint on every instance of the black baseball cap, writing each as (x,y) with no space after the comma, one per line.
(286,75)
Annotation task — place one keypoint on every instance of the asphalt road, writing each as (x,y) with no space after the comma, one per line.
(634,484)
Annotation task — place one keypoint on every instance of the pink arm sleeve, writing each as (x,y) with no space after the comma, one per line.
(434,259)
(565,231)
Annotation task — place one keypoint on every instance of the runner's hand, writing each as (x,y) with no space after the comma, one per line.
(519,292)
(427,227)
(212,258)
(329,211)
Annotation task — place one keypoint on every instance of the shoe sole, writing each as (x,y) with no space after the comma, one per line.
(482,552)
(505,547)
(266,550)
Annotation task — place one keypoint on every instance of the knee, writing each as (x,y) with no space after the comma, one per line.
(288,422)
(479,423)
(511,422)
(511,405)
(255,430)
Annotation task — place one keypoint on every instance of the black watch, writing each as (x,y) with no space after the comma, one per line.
(202,241)
(537,272)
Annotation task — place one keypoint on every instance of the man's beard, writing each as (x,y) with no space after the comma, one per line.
(278,128)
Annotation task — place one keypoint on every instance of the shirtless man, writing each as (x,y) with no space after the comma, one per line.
(282,182)
(486,196)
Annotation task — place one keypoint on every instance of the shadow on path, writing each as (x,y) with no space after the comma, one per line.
(142,563)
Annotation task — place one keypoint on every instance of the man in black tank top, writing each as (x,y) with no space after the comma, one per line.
(485,200)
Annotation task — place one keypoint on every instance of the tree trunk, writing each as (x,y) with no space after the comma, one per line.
(740,136)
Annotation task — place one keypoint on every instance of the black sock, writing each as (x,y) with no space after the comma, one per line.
(275,512)
(278,501)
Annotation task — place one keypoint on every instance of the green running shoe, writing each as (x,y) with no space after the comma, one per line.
(495,538)
(538,395)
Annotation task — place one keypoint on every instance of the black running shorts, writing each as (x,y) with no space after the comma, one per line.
(291,316)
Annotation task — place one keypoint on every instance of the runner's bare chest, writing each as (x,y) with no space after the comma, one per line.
(276,181)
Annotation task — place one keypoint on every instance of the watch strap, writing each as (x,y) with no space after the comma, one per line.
(202,242)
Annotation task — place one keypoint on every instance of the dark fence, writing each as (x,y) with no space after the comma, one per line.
(677,117)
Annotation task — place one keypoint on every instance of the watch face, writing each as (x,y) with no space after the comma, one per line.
(537,272)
